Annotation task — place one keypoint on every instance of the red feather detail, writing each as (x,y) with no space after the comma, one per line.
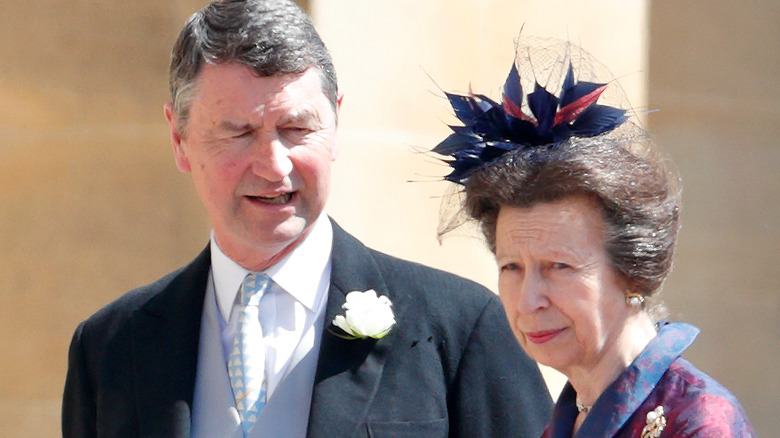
(574,109)
(512,109)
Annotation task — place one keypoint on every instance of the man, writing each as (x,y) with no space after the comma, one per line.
(253,120)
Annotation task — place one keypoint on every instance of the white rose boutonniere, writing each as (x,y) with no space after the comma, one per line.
(366,315)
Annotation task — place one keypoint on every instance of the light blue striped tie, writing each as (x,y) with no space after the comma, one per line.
(246,364)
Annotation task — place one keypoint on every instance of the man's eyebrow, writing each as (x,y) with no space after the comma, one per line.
(305,115)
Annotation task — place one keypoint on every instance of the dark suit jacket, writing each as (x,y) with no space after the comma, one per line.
(449,368)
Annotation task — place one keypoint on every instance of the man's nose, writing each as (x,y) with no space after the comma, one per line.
(271,158)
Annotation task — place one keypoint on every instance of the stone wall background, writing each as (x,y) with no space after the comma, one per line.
(91,204)
(713,76)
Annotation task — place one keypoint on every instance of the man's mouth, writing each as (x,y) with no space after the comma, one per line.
(276,199)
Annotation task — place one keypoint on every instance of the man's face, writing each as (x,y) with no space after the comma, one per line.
(259,150)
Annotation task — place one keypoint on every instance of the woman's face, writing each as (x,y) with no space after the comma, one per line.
(564,301)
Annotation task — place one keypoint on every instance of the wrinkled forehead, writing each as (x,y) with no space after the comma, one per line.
(221,84)
(561,225)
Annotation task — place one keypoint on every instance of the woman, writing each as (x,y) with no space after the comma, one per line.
(582,218)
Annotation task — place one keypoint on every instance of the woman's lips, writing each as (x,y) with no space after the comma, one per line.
(543,336)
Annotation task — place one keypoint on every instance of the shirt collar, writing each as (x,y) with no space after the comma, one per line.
(304,273)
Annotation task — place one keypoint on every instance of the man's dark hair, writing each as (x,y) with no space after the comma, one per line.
(268,36)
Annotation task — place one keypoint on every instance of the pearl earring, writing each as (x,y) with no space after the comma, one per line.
(634,300)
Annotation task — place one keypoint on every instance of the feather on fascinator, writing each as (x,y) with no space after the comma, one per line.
(540,118)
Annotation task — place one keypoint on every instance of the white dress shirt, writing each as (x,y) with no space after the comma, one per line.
(299,290)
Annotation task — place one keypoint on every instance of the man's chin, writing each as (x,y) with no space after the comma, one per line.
(284,234)
(280,240)
(262,245)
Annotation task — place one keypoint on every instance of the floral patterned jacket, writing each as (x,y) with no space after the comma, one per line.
(692,404)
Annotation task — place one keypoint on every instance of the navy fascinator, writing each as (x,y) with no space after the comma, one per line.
(540,118)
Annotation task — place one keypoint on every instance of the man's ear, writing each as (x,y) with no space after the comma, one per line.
(182,162)
(339,97)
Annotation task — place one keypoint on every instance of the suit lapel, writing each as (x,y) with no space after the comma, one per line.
(348,371)
(165,340)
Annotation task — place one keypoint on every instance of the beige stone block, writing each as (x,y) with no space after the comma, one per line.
(21,417)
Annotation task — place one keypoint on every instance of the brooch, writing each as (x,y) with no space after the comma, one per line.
(656,422)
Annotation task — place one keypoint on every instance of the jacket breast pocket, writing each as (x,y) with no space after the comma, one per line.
(409,429)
